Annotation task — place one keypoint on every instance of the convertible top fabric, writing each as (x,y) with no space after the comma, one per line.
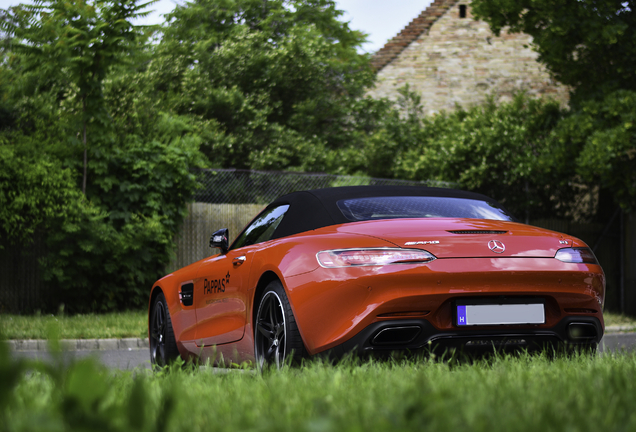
(313,209)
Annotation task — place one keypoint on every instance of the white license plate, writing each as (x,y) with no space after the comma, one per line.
(500,314)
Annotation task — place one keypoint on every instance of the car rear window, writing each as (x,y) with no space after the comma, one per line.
(361,209)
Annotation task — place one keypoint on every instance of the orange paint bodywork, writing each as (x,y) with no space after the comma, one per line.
(332,305)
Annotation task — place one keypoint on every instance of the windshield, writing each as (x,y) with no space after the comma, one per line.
(361,209)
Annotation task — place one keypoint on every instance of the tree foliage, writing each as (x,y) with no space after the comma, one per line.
(278,76)
(600,141)
(588,45)
(125,239)
(34,194)
(106,248)
(493,149)
(71,47)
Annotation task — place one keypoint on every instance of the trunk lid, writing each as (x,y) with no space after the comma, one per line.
(464,238)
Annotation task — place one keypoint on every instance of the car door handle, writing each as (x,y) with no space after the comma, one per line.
(238,260)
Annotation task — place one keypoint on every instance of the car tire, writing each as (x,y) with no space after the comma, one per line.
(276,336)
(163,346)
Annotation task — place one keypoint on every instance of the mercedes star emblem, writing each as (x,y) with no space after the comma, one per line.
(496,246)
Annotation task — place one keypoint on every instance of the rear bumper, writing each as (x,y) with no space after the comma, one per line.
(413,336)
(332,305)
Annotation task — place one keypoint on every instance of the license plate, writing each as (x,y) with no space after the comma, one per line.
(500,314)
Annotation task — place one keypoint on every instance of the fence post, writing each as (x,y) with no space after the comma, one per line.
(621,264)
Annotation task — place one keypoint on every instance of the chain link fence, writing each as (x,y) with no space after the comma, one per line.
(231,186)
(230,198)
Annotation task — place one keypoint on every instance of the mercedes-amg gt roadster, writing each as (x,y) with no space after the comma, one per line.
(377,270)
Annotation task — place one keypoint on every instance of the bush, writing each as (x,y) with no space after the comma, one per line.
(35,192)
(108,257)
(103,250)
(493,149)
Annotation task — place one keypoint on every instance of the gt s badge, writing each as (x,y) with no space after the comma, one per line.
(412,243)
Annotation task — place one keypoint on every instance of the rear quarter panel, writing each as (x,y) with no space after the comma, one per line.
(292,257)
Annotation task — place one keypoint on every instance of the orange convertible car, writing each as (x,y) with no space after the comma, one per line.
(376,270)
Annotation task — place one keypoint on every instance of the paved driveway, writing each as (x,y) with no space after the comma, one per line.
(618,342)
(125,359)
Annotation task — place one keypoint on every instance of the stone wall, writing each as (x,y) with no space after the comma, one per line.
(459,61)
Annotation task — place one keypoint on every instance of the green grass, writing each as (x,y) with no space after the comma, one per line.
(83,326)
(619,319)
(581,393)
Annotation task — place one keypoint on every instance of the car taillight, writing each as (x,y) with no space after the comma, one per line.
(372,257)
(576,255)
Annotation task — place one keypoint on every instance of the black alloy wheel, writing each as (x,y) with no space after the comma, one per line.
(276,336)
(163,347)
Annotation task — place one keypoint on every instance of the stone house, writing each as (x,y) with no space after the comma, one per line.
(449,58)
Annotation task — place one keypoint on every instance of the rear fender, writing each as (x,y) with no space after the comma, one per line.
(296,255)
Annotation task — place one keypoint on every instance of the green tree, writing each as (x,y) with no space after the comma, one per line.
(589,45)
(121,243)
(279,78)
(598,143)
(74,44)
(107,246)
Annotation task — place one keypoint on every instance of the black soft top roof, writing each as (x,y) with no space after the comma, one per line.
(313,209)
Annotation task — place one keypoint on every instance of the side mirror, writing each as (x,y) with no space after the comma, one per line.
(220,240)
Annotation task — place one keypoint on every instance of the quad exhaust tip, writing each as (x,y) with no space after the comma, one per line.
(396,335)
(582,332)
